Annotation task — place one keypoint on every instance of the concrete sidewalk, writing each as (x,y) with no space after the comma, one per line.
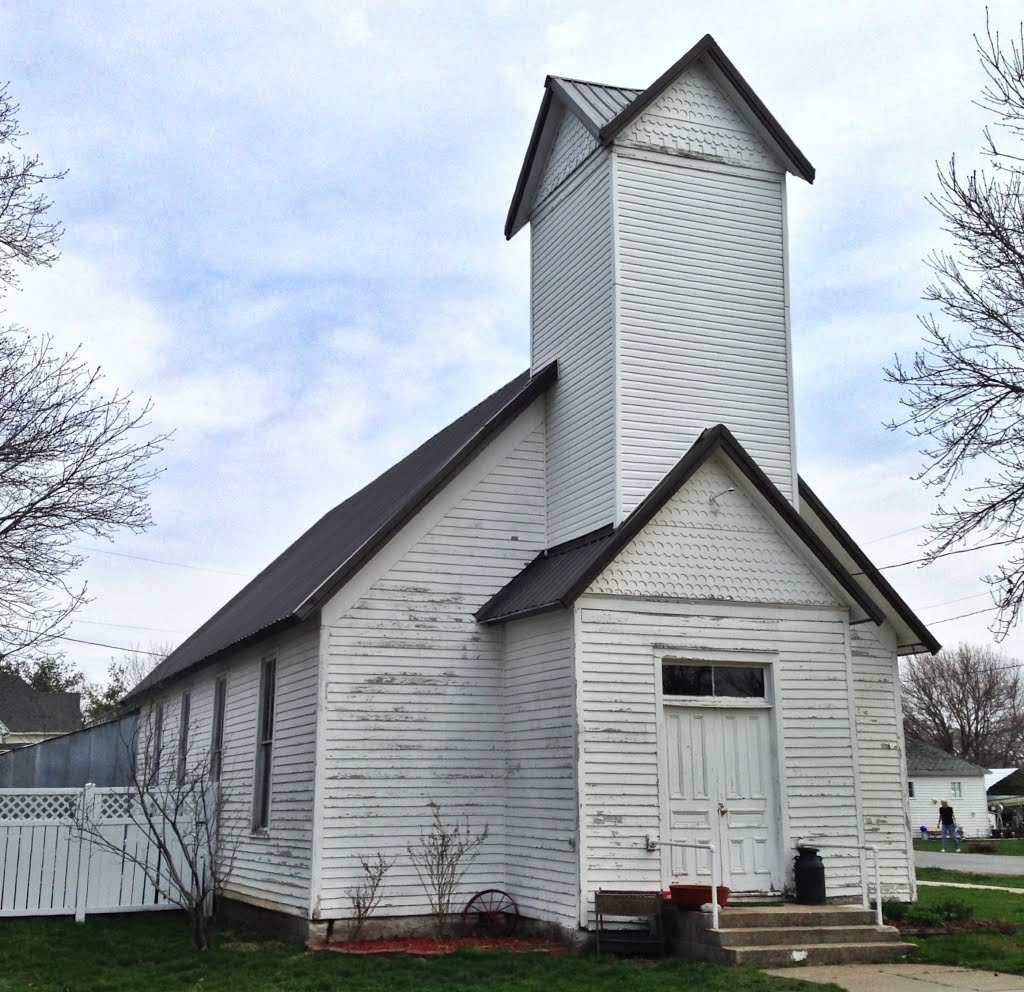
(984,864)
(904,978)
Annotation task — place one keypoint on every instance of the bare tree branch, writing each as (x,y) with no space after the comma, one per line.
(964,392)
(968,701)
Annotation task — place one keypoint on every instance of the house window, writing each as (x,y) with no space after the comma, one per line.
(956,790)
(910,790)
(158,739)
(678,679)
(186,716)
(220,695)
(264,745)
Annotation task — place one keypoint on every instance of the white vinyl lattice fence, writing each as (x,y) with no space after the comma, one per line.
(49,868)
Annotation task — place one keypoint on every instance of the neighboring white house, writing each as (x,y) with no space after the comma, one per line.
(934,775)
(599,608)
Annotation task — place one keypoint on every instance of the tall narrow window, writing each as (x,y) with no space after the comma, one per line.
(957,790)
(264,745)
(158,739)
(910,790)
(186,717)
(220,696)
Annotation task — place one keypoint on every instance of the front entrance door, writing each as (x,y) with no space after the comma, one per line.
(719,789)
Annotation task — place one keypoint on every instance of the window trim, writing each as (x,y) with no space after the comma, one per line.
(184,721)
(157,744)
(956,790)
(220,701)
(263,765)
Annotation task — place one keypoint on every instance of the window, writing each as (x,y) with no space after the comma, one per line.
(678,679)
(956,790)
(264,745)
(158,739)
(910,790)
(220,695)
(186,716)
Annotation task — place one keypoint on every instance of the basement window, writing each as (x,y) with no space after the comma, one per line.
(731,681)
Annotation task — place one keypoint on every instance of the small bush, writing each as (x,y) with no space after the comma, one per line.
(982,847)
(894,911)
(947,911)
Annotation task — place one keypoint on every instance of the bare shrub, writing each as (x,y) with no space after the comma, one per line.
(441,860)
(366,895)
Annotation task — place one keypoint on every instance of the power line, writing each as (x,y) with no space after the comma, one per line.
(942,554)
(131,626)
(159,561)
(935,623)
(949,602)
(113,647)
(895,534)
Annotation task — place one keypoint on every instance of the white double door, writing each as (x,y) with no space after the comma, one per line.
(719,787)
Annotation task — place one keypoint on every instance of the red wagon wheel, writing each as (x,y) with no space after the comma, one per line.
(491,913)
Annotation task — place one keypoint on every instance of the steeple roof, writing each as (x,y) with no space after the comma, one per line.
(606,111)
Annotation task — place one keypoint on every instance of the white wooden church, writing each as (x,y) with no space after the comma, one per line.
(601,607)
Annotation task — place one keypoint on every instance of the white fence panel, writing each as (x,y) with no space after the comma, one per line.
(48,868)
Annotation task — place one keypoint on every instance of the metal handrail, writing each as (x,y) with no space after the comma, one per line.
(653,845)
(873,848)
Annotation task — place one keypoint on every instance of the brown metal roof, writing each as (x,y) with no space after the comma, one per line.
(556,577)
(303,577)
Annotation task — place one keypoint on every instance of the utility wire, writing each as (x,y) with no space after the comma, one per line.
(942,554)
(159,561)
(113,647)
(895,534)
(131,626)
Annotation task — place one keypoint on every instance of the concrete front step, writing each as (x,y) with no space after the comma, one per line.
(777,936)
(797,918)
(860,953)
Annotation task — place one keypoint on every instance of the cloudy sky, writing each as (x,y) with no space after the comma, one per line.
(284,224)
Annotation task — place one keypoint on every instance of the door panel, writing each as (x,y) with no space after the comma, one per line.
(719,790)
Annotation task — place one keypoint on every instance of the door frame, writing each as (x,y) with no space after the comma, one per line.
(768,660)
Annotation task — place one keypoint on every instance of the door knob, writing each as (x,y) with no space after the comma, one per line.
(722,809)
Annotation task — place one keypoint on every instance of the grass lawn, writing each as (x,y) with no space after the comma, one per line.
(1012,846)
(152,952)
(970,877)
(994,951)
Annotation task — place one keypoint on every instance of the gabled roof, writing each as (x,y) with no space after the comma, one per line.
(558,576)
(24,710)
(925,759)
(607,110)
(913,634)
(300,580)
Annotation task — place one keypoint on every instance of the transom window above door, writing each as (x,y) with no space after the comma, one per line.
(731,681)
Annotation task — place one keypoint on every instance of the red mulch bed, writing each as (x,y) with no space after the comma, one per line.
(428,947)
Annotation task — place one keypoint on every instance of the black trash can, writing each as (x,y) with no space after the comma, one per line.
(809,873)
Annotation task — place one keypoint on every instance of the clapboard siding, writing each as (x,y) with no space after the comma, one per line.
(572,320)
(702,315)
(541,867)
(970,810)
(620,741)
(713,577)
(882,761)
(414,689)
(270,868)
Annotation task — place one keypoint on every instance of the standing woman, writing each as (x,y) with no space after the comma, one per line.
(947,826)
